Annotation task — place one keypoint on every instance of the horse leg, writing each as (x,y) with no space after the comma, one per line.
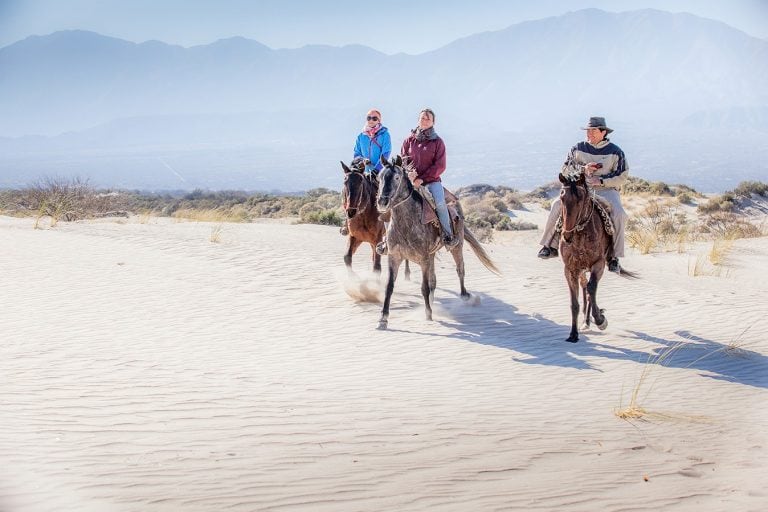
(376,259)
(352,244)
(428,284)
(393,266)
(407,271)
(573,286)
(597,272)
(458,257)
(585,298)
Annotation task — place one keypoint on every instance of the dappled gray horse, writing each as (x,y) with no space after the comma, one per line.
(409,238)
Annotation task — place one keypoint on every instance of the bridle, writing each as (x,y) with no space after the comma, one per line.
(397,192)
(581,218)
(361,195)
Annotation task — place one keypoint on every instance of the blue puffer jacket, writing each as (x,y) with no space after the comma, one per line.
(374,149)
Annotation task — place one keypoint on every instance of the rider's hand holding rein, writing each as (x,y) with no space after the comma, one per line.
(414,177)
(589,170)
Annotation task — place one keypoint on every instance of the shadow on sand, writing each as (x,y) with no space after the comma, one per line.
(541,341)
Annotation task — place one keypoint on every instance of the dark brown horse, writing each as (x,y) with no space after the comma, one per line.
(359,201)
(584,246)
(408,238)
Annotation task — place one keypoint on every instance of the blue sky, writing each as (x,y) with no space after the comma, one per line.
(390,26)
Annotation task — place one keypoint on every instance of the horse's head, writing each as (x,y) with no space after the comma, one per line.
(574,195)
(353,191)
(394,184)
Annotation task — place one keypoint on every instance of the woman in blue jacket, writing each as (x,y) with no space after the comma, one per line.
(372,143)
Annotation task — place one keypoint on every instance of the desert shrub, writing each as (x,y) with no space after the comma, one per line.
(684,198)
(722,203)
(67,199)
(325,217)
(548,191)
(729,226)
(317,213)
(635,185)
(507,224)
(657,226)
(747,188)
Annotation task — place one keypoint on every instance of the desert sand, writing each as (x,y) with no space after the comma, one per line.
(145,368)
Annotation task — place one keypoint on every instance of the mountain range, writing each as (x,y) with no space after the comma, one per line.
(236,114)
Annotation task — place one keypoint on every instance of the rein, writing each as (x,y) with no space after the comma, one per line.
(391,207)
(361,199)
(580,225)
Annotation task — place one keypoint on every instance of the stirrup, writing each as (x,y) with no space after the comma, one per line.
(450,242)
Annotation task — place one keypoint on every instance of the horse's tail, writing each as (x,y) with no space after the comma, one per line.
(480,252)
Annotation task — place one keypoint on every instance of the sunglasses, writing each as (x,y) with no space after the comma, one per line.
(371,118)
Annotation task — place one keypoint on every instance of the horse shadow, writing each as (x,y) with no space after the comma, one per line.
(539,340)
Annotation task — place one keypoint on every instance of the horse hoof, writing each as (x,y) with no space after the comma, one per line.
(382,325)
(603,325)
(572,339)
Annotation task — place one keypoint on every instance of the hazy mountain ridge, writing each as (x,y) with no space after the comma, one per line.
(647,71)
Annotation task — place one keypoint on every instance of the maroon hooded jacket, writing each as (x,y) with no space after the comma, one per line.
(427,156)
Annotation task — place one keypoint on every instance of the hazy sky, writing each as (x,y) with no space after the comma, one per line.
(391,26)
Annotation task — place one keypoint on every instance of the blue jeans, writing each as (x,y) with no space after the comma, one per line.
(436,189)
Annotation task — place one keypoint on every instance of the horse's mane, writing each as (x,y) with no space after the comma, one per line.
(408,166)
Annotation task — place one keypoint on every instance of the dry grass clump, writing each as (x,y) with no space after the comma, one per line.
(748,188)
(658,226)
(638,186)
(732,200)
(730,226)
(67,199)
(216,232)
(488,211)
(210,215)
(634,409)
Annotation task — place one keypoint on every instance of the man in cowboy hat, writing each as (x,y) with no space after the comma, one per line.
(606,169)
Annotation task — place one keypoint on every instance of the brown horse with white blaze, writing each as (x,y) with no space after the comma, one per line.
(584,246)
(359,202)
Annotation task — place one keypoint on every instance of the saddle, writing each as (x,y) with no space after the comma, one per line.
(429,215)
(603,207)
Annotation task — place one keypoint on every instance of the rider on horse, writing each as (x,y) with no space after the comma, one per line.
(372,143)
(605,167)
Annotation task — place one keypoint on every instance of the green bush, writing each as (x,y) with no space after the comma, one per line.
(747,188)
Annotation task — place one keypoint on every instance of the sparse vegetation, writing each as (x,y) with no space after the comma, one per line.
(735,199)
(658,225)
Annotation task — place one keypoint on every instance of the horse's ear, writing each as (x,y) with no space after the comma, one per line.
(384,161)
(582,178)
(563,179)
(347,170)
(399,161)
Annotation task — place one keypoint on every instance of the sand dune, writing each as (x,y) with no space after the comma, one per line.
(147,369)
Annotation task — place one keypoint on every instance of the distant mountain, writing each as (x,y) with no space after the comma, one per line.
(642,64)
(646,71)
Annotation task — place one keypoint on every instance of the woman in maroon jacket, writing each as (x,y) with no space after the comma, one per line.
(426,152)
